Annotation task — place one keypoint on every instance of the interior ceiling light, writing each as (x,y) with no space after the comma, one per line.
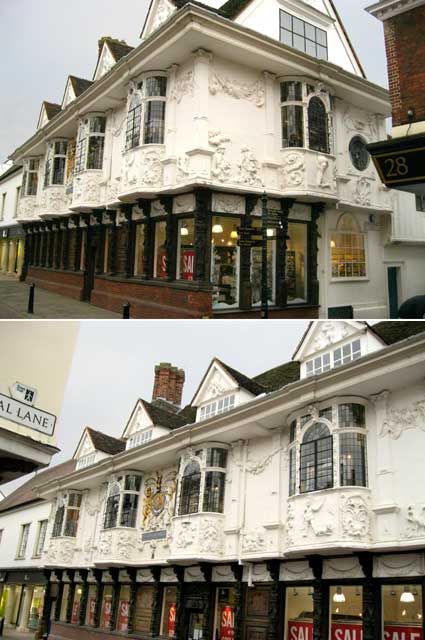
(184,231)
(338,595)
(407,595)
(217,228)
(234,233)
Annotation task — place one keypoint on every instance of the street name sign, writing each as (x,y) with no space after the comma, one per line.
(26,415)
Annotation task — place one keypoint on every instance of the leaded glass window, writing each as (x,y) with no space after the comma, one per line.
(318,126)
(316,460)
(132,138)
(351,415)
(214,491)
(190,489)
(122,502)
(352,459)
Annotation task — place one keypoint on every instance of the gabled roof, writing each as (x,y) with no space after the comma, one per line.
(256,388)
(395,331)
(79,85)
(179,4)
(280,376)
(25,494)
(118,48)
(52,109)
(163,418)
(103,442)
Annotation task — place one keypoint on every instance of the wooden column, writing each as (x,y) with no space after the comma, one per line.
(58,257)
(320,600)
(115,598)
(84,598)
(157,602)
(58,605)
(202,259)
(371,599)
(78,242)
(245,289)
(45,244)
(273,568)
(132,573)
(112,215)
(237,571)
(71,594)
(65,244)
(148,240)
(171,238)
(179,624)
(281,239)
(99,596)
(206,570)
(98,232)
(313,249)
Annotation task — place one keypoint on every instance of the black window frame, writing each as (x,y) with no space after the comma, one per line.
(190,489)
(314,450)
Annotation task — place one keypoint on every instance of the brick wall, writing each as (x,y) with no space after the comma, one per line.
(63,282)
(63,631)
(405,45)
(151,301)
(168,383)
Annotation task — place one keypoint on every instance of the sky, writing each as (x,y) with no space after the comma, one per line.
(113,366)
(43,41)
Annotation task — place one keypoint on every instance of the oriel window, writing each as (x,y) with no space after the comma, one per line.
(155,97)
(30,177)
(318,126)
(132,138)
(122,502)
(316,460)
(90,144)
(190,488)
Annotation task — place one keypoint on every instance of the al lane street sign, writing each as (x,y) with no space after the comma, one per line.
(26,415)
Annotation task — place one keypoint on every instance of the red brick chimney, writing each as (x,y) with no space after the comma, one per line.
(168,384)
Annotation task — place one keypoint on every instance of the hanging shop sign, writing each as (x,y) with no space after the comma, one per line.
(26,415)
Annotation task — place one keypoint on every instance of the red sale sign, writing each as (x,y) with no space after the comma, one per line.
(92,606)
(75,611)
(123,615)
(162,264)
(106,612)
(402,633)
(187,261)
(300,630)
(227,624)
(346,631)
(172,620)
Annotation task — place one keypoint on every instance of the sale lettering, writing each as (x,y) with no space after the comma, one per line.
(187,262)
(92,606)
(227,625)
(123,615)
(300,630)
(107,605)
(402,633)
(304,631)
(171,620)
(346,632)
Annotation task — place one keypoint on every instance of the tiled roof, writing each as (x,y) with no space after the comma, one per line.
(107,444)
(280,376)
(181,3)
(52,109)
(392,332)
(163,418)
(243,381)
(79,85)
(119,49)
(26,494)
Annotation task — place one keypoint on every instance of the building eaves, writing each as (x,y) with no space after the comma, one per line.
(162,418)
(9,172)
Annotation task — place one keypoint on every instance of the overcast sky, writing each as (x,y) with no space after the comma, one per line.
(43,41)
(114,364)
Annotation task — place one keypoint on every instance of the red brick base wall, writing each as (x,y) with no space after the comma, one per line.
(63,282)
(63,631)
(151,301)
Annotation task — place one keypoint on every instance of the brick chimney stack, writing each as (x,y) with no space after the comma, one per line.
(168,384)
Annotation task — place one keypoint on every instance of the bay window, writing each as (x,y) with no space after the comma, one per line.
(204,476)
(146,104)
(30,177)
(122,502)
(90,143)
(337,430)
(67,515)
(54,168)
(305,115)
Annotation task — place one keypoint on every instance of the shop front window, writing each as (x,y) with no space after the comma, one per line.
(256,267)
(186,249)
(168,625)
(225,262)
(348,250)
(105,616)
(299,613)
(402,612)
(144,606)
(296,263)
(76,605)
(139,250)
(64,603)
(346,607)
(225,614)
(123,607)
(36,609)
(91,605)
(160,264)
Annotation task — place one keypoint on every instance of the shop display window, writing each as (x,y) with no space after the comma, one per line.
(296,263)
(299,613)
(76,605)
(168,624)
(346,611)
(91,605)
(186,249)
(160,264)
(139,250)
(123,607)
(225,614)
(402,612)
(64,603)
(105,616)
(225,262)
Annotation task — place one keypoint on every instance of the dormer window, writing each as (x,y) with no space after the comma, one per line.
(138,438)
(67,515)
(90,143)
(86,461)
(146,103)
(122,502)
(303,35)
(216,407)
(305,113)
(336,358)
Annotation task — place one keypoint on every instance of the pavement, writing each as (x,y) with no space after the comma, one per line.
(12,634)
(14,304)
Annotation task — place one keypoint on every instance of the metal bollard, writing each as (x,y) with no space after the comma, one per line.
(126,311)
(31,299)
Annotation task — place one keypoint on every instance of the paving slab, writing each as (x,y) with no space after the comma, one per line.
(47,305)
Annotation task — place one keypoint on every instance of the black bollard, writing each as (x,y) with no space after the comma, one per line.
(126,311)
(31,299)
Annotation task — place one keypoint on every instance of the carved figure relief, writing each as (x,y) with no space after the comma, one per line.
(185,535)
(310,520)
(362,192)
(228,203)
(293,169)
(220,168)
(131,169)
(211,536)
(355,516)
(152,169)
(114,188)
(158,505)
(249,168)
(182,168)
(125,545)
(325,173)
(364,123)
(330,333)
(184,85)
(184,203)
(163,12)
(254,540)
(409,564)
(240,90)
(105,544)
(415,521)
(400,420)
